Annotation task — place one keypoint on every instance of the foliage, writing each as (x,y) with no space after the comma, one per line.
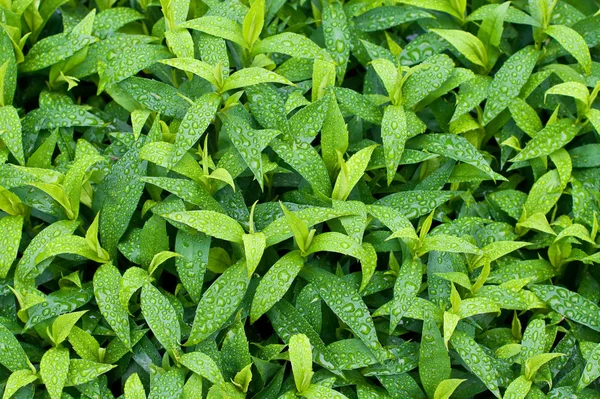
(321,199)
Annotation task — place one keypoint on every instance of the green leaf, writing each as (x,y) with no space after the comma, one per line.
(417,202)
(466,43)
(180,42)
(569,304)
(159,259)
(70,245)
(306,123)
(275,283)
(571,89)
(544,194)
(585,156)
(254,22)
(551,138)
(357,104)
(381,18)
(315,391)
(252,76)
(193,125)
(17,380)
(191,265)
(388,73)
(454,147)
(394,133)
(254,247)
(82,371)
(341,243)
(219,302)
(8,63)
(346,304)
(334,134)
(508,81)
(538,222)
(532,343)
(575,230)
(243,379)
(168,103)
(301,359)
(202,365)
(591,370)
(55,48)
(217,26)
(176,11)
(117,196)
(11,227)
(513,269)
(84,344)
(525,117)
(446,388)
(573,43)
(123,64)
(235,353)
(351,354)
(110,20)
(26,270)
(75,178)
(250,144)
(458,278)
(62,325)
(434,361)
(288,43)
(161,318)
(477,361)
(513,15)
(106,285)
(406,288)
(497,249)
(287,321)
(437,5)
(473,306)
(447,243)
(490,31)
(425,79)
(518,388)
(471,94)
(10,203)
(211,223)
(534,363)
(12,355)
(281,229)
(54,370)
(59,113)
(303,158)
(10,132)
(133,279)
(167,385)
(187,190)
(133,388)
(197,67)
(192,387)
(337,35)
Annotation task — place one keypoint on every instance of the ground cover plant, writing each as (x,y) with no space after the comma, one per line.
(321,199)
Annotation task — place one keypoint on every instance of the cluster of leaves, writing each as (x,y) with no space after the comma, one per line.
(321,199)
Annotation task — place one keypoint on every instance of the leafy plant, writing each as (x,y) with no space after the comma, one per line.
(323,199)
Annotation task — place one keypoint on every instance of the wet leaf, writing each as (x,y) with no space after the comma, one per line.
(508,81)
(106,289)
(219,302)
(54,370)
(161,318)
(275,283)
